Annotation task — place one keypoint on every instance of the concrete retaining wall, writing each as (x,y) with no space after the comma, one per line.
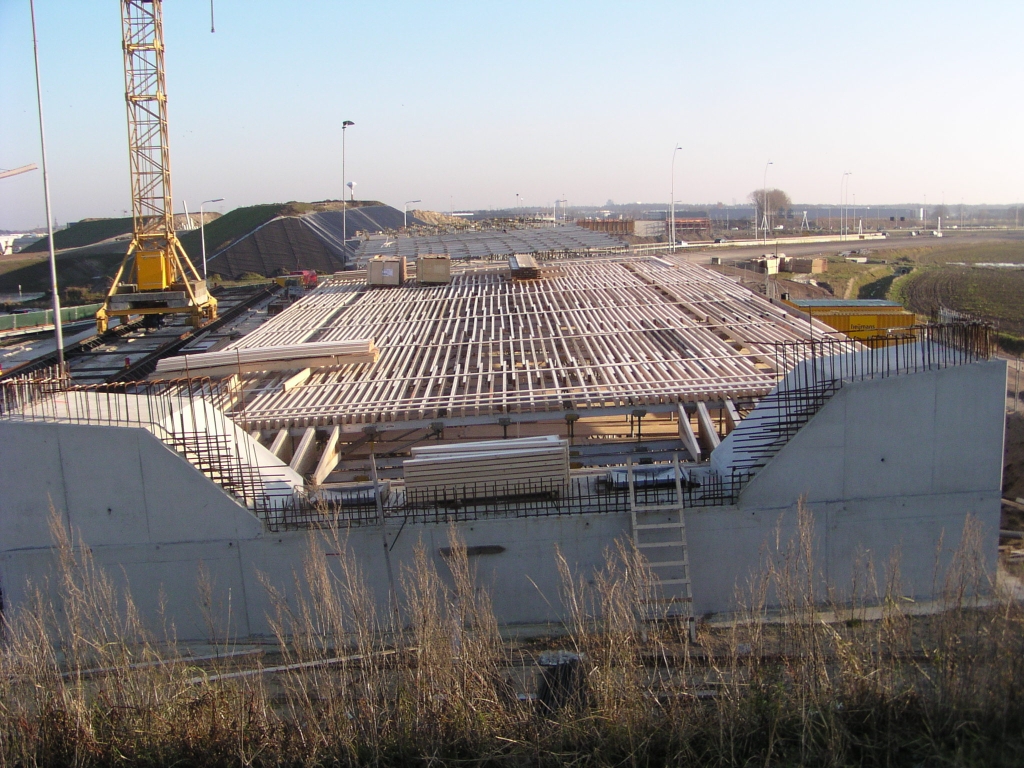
(153,521)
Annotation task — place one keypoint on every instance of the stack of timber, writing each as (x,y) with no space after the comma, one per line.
(489,469)
(386,270)
(524,267)
(292,357)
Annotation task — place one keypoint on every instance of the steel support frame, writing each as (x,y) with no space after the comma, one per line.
(150,164)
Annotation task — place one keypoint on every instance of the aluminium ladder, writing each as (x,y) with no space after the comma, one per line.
(660,536)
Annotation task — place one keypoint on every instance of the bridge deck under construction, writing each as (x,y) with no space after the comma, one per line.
(588,335)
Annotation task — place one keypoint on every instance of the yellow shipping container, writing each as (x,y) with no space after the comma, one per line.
(858,318)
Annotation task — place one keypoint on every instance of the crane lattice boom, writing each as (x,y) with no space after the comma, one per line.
(156,276)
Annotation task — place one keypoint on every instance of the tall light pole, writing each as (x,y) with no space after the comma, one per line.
(57,329)
(764,199)
(842,180)
(344,203)
(202,229)
(405,215)
(849,173)
(672,202)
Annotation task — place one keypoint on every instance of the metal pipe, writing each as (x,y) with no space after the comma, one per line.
(344,204)
(202,229)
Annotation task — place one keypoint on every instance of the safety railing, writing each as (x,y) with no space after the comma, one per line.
(187,415)
(589,494)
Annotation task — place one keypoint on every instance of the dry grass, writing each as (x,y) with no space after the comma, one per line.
(429,681)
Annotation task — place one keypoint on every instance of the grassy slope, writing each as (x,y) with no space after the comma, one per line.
(83,233)
(90,270)
(990,294)
(72,270)
(229,227)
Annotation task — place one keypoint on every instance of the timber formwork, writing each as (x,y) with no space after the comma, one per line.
(589,336)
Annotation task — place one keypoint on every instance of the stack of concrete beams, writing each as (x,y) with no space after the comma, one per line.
(490,467)
(320,355)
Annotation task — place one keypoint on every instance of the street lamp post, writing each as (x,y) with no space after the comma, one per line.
(842,210)
(672,201)
(58,331)
(405,214)
(764,200)
(344,205)
(202,229)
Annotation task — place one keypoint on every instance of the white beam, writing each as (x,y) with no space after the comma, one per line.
(706,427)
(328,459)
(732,416)
(281,445)
(297,380)
(686,434)
(303,453)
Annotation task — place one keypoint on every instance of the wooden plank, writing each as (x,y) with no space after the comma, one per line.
(296,380)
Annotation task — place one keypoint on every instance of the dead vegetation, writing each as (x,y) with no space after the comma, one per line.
(865,683)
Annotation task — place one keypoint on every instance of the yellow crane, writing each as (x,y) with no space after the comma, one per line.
(156,276)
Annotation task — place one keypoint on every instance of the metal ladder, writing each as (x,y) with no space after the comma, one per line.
(663,545)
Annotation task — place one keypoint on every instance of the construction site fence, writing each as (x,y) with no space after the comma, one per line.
(43,317)
(48,395)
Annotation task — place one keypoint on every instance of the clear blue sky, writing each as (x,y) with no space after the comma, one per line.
(469,103)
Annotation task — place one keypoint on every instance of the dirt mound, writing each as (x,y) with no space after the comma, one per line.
(435,219)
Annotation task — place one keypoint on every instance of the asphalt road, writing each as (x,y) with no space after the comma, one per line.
(894,241)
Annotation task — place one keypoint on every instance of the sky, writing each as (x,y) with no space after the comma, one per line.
(466,105)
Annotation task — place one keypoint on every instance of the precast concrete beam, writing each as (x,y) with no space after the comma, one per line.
(329,457)
(303,455)
(706,428)
(282,444)
(732,416)
(686,435)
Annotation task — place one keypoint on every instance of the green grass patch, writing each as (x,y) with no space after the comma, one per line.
(221,232)
(988,294)
(91,271)
(83,233)
(1009,343)
(876,289)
